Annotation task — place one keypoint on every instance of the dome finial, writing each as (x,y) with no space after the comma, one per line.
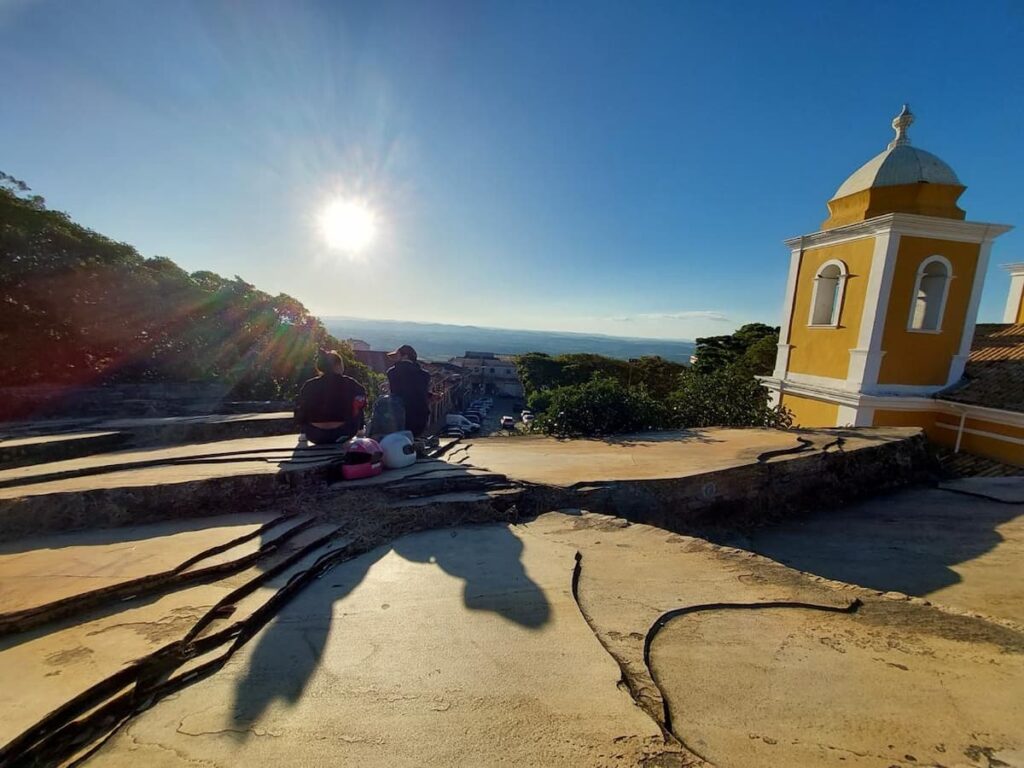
(900,124)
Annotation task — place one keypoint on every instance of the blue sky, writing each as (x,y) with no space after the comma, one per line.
(622,168)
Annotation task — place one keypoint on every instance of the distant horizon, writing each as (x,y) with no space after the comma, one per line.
(325,317)
(444,341)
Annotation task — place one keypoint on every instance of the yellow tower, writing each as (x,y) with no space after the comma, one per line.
(1015,301)
(881,303)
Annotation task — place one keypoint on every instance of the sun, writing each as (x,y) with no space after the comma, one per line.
(347,225)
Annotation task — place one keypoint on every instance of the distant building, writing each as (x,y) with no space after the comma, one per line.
(486,373)
(375,360)
(358,345)
(880,311)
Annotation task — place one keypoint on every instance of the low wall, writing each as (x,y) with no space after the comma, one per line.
(740,497)
(124,400)
(757,493)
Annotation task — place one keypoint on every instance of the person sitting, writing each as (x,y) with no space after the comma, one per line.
(330,406)
(408,380)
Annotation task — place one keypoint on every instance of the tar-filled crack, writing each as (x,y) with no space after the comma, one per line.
(184,573)
(662,715)
(665,618)
(627,681)
(803,445)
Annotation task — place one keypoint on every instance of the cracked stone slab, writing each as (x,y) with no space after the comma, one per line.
(955,549)
(631,574)
(655,456)
(894,684)
(56,663)
(165,465)
(44,569)
(1009,490)
(451,647)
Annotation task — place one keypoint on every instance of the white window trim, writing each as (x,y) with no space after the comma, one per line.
(837,310)
(917,289)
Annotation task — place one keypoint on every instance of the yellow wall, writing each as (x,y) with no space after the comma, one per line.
(924,358)
(922,199)
(924,419)
(826,351)
(979,445)
(811,413)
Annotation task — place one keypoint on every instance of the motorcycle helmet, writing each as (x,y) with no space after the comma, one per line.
(399,450)
(362,459)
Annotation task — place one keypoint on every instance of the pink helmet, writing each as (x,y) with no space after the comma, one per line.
(364,458)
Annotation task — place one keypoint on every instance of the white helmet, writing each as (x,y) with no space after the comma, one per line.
(399,450)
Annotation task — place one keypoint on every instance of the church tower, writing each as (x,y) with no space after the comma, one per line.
(881,304)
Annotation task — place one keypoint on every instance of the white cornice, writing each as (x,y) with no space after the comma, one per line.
(904,224)
(893,402)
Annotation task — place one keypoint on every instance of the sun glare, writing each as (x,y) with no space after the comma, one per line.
(347,225)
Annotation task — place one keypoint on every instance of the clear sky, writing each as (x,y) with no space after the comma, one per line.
(627,168)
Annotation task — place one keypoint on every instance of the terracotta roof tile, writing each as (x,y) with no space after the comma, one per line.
(994,377)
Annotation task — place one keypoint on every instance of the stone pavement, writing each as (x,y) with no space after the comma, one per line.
(653,456)
(431,617)
(503,645)
(964,549)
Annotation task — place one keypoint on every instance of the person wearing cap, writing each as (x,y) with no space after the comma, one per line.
(408,380)
(330,407)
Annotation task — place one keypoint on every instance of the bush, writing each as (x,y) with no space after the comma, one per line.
(728,397)
(601,406)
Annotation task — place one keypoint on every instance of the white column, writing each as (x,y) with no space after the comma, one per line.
(782,356)
(1016,297)
(866,359)
(956,367)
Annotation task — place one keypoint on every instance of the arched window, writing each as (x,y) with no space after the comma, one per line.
(827,296)
(930,290)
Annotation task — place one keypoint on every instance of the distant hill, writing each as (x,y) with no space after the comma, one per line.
(438,341)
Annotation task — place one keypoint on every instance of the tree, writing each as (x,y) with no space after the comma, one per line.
(729,397)
(716,352)
(601,406)
(77,308)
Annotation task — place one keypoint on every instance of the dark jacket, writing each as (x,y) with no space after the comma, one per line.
(331,397)
(411,383)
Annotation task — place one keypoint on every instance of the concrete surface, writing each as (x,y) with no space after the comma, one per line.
(57,662)
(959,549)
(43,569)
(165,465)
(523,645)
(1009,490)
(453,647)
(887,686)
(548,460)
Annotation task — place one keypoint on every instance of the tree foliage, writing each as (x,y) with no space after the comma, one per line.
(540,372)
(752,346)
(78,308)
(601,406)
(594,395)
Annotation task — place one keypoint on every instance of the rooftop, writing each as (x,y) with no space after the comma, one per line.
(994,376)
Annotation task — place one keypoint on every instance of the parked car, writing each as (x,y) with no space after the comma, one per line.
(453,432)
(528,419)
(508,422)
(460,421)
(475,417)
(526,413)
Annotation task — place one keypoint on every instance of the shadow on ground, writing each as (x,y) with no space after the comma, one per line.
(291,647)
(905,542)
